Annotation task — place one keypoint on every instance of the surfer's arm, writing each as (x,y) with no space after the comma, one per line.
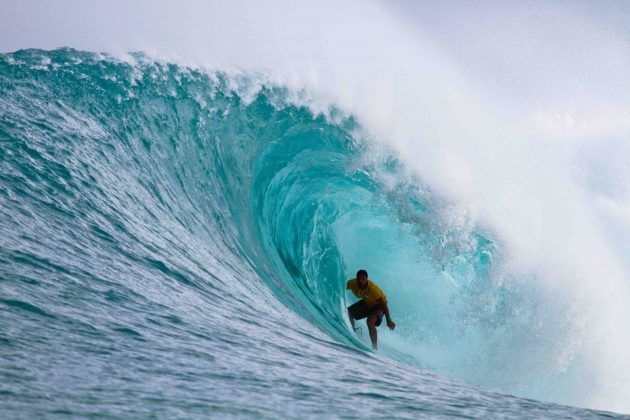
(390,323)
(386,310)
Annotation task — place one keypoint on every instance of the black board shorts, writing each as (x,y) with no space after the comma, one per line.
(360,310)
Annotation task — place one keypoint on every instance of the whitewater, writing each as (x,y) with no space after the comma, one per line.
(185,189)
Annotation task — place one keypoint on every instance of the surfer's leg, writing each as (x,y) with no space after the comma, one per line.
(371,322)
(357,311)
(351,318)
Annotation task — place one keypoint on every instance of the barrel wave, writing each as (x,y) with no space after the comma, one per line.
(176,242)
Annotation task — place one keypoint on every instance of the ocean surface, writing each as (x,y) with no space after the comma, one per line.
(175,242)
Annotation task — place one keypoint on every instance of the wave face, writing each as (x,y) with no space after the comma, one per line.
(177,242)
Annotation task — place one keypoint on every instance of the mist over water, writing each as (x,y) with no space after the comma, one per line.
(472,159)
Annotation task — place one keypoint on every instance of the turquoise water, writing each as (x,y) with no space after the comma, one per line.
(175,243)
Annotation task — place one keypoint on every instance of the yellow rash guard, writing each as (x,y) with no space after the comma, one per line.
(371,294)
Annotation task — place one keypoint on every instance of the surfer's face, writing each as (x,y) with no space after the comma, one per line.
(362,280)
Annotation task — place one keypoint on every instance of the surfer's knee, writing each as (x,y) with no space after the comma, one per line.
(371,321)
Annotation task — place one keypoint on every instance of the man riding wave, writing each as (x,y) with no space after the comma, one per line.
(373,304)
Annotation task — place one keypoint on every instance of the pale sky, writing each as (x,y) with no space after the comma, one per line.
(567,49)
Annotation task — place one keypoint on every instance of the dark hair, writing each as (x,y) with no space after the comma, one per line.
(362,272)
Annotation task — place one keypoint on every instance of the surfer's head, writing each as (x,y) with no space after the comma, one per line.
(362,278)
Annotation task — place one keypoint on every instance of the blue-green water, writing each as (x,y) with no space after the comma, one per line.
(175,243)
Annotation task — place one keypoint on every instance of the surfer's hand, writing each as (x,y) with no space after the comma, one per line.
(391,325)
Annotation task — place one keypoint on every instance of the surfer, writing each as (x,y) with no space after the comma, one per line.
(373,304)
